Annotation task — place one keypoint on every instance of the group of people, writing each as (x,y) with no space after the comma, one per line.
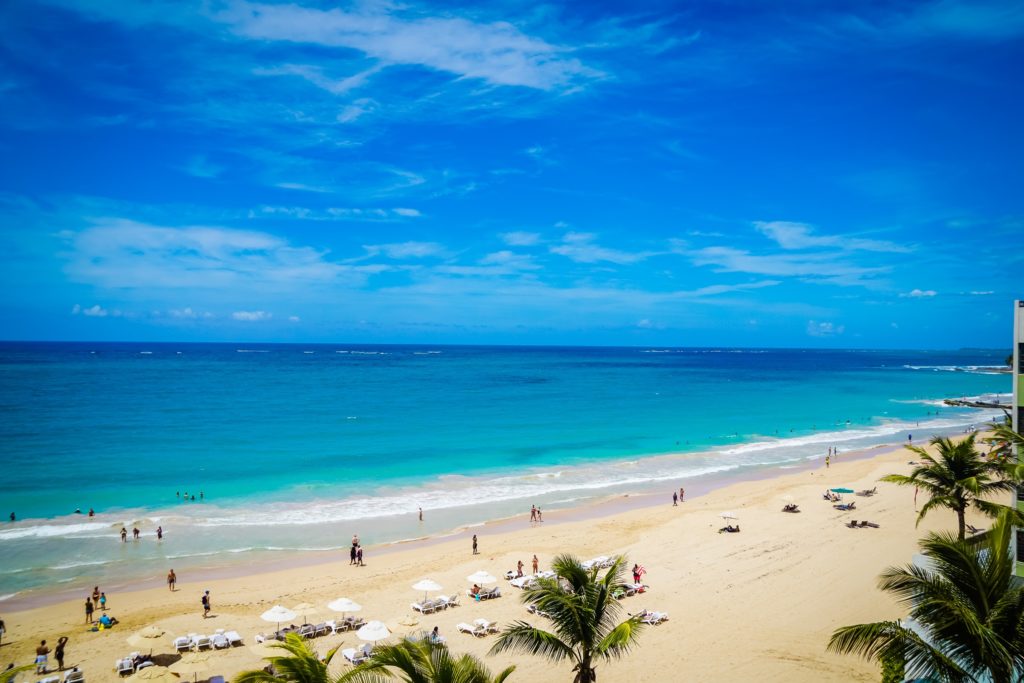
(98,600)
(678,498)
(535,514)
(186,496)
(519,567)
(136,534)
(43,651)
(355,553)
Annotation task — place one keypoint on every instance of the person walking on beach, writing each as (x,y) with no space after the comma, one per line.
(675,499)
(41,653)
(88,610)
(421,514)
(135,534)
(682,494)
(172,579)
(124,535)
(159,533)
(536,564)
(103,602)
(352,554)
(58,652)
(206,604)
(359,556)
(475,551)
(533,513)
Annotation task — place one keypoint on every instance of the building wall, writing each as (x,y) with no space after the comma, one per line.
(1018,415)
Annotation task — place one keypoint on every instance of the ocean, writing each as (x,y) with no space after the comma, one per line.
(290,448)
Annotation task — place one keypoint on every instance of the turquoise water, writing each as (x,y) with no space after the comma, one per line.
(296,446)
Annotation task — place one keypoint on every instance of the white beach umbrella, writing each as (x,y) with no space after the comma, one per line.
(193,663)
(277,614)
(146,637)
(426,585)
(373,631)
(481,578)
(154,674)
(787,498)
(344,605)
(727,515)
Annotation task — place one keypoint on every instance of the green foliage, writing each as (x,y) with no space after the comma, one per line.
(421,662)
(584,618)
(297,663)
(893,669)
(11,674)
(956,478)
(966,604)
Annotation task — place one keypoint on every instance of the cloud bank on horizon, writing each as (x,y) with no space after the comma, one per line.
(747,174)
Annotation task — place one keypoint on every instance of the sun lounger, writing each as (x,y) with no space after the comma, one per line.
(471,630)
(853,524)
(524,581)
(74,676)
(321,629)
(489,594)
(216,679)
(233,637)
(50,679)
(450,600)
(487,626)
(124,666)
(307,631)
(845,507)
(975,530)
(354,622)
(870,524)
(424,607)
(533,609)
(202,643)
(220,642)
(653,618)
(510,574)
(183,644)
(868,492)
(354,656)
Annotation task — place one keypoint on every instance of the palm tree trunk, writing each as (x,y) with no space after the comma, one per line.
(962,526)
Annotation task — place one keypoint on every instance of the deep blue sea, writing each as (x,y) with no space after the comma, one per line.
(295,447)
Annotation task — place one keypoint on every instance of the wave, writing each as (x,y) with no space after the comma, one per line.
(252,350)
(7,596)
(50,530)
(975,369)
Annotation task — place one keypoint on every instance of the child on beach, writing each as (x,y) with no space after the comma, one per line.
(103,601)
(359,556)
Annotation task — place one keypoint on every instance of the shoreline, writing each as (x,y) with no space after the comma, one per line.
(767,587)
(603,507)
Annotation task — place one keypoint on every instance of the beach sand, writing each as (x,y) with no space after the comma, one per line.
(757,605)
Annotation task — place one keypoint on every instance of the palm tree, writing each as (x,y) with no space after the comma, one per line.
(1005,439)
(421,662)
(584,615)
(957,478)
(296,664)
(969,613)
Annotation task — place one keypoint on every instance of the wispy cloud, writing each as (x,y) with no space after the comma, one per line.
(497,53)
(919,294)
(815,267)
(201,167)
(823,329)
(406,250)
(335,213)
(520,239)
(252,316)
(582,248)
(796,236)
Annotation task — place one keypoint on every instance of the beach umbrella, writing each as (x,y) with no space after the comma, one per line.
(304,608)
(193,663)
(373,631)
(727,515)
(408,621)
(481,577)
(154,674)
(841,490)
(277,614)
(426,585)
(146,637)
(344,605)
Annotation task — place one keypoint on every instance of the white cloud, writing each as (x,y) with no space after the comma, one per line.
(357,109)
(497,53)
(122,254)
(186,313)
(294,319)
(405,250)
(201,167)
(334,213)
(817,267)
(823,329)
(919,293)
(580,247)
(252,316)
(315,75)
(408,213)
(94,311)
(789,235)
(985,293)
(520,239)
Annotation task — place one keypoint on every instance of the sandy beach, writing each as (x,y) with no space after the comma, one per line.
(757,604)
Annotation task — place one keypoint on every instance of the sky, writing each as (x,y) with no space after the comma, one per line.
(760,174)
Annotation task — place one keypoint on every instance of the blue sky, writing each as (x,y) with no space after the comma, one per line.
(796,173)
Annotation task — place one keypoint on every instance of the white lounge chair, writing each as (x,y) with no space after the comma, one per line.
(74,676)
(653,618)
(307,631)
(487,626)
(202,643)
(233,637)
(450,600)
(124,666)
(354,656)
(220,641)
(183,644)
(478,631)
(425,607)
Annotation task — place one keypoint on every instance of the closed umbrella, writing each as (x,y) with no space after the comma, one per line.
(426,585)
(841,489)
(277,614)
(154,674)
(481,577)
(728,515)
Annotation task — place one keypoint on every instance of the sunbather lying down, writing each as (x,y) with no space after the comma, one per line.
(730,529)
(791,507)
(854,524)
